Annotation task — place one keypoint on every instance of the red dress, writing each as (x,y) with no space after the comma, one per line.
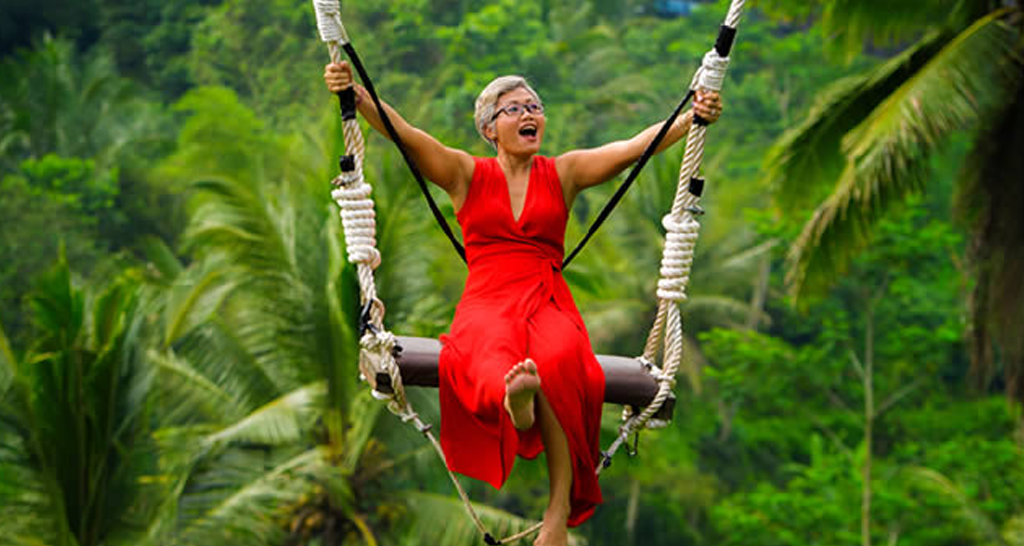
(517,305)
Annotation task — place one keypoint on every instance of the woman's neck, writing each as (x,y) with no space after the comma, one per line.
(514,164)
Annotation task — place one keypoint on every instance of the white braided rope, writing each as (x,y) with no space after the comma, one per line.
(377,345)
(732,19)
(681,228)
(358,216)
(711,73)
(328,22)
(359,223)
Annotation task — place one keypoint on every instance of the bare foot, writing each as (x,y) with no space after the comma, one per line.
(521,384)
(553,533)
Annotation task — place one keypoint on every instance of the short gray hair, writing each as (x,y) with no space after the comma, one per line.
(487,102)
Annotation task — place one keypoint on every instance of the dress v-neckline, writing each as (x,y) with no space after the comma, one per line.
(518,222)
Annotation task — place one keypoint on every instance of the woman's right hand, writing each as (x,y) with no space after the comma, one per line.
(338,76)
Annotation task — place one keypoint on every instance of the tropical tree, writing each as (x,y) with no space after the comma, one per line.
(74,418)
(73,135)
(872,141)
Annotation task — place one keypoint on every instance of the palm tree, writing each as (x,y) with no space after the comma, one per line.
(71,133)
(53,100)
(74,419)
(870,142)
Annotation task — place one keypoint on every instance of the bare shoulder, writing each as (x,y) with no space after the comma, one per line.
(457,186)
(567,165)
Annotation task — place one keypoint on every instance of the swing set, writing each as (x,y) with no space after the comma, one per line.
(389,363)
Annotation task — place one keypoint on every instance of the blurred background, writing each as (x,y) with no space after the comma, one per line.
(178,346)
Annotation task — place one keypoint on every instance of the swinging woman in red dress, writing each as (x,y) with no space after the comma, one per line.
(517,372)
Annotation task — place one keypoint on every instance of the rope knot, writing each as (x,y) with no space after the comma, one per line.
(680,240)
(711,74)
(358,219)
(328,21)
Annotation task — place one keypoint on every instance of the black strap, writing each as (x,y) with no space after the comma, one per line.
(637,167)
(446,228)
(354,57)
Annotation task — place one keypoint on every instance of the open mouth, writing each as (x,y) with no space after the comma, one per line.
(528,131)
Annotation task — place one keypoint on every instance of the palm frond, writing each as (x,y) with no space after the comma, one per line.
(6,363)
(852,25)
(443,520)
(888,153)
(807,159)
(186,389)
(194,297)
(76,419)
(970,512)
(252,514)
(214,351)
(31,512)
(364,411)
(281,421)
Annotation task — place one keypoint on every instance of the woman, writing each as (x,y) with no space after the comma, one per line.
(517,373)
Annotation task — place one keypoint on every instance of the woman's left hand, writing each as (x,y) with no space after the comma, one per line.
(708,105)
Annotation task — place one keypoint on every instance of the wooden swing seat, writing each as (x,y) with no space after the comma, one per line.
(626,380)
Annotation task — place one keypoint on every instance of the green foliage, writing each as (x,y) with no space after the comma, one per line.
(71,129)
(873,139)
(75,419)
(265,50)
(151,40)
(263,435)
(48,202)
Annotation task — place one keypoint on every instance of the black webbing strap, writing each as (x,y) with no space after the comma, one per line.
(354,57)
(723,46)
(637,167)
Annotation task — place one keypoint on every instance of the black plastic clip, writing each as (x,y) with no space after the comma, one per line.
(383,384)
(606,459)
(696,186)
(491,540)
(347,163)
(365,323)
(726,37)
(347,102)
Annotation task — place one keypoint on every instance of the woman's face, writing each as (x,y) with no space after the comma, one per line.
(517,129)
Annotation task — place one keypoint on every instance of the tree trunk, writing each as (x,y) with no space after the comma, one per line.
(632,510)
(869,423)
(760,293)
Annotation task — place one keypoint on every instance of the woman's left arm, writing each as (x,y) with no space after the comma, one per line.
(581,169)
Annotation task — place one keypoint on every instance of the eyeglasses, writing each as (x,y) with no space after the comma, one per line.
(516,110)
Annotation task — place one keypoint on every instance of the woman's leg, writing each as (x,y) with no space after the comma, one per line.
(555,531)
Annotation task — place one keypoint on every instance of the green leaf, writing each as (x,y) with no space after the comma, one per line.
(193,300)
(8,366)
(808,158)
(887,154)
(282,421)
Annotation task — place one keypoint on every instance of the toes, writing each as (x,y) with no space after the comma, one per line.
(514,372)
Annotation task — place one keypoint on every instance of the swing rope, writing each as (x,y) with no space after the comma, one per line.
(682,229)
(378,346)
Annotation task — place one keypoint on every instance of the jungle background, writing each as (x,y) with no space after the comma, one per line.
(178,342)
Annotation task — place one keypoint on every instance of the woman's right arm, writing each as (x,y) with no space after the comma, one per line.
(449,168)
